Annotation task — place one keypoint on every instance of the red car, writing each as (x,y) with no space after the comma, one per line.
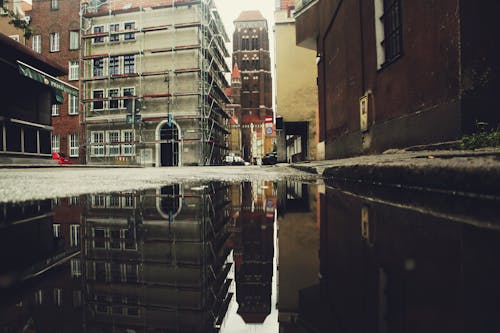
(60,158)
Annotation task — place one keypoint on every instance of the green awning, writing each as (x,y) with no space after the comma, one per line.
(39,76)
(57,96)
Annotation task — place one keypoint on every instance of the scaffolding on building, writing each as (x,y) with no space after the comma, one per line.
(209,114)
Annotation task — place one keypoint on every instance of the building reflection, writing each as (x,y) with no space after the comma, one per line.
(157,259)
(40,276)
(425,265)
(298,243)
(252,226)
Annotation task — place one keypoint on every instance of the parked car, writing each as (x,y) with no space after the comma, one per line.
(270,158)
(233,160)
(61,158)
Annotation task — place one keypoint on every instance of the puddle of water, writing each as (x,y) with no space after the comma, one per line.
(248,257)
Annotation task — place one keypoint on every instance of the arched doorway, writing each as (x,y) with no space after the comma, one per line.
(169,146)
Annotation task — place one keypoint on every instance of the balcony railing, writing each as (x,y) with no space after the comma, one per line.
(301,5)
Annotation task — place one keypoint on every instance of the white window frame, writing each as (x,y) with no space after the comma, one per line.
(98,39)
(113,149)
(73,70)
(72,105)
(54,4)
(74,39)
(74,239)
(129,36)
(36,43)
(119,67)
(128,149)
(110,95)
(114,37)
(73,145)
(56,110)
(55,143)
(14,37)
(97,146)
(56,228)
(124,71)
(102,69)
(55,41)
(93,103)
(58,299)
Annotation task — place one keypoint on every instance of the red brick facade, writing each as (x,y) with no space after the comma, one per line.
(46,20)
(251,54)
(427,81)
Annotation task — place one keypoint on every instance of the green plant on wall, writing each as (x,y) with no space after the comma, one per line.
(18,21)
(484,137)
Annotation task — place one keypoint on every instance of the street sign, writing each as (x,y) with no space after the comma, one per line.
(269,130)
(169,120)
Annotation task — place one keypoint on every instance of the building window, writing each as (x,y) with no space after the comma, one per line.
(113,29)
(77,298)
(114,65)
(255,63)
(73,145)
(129,35)
(56,109)
(114,103)
(98,67)
(39,297)
(74,69)
(74,238)
(72,105)
(55,143)
(255,43)
(58,296)
(98,30)
(97,143)
(74,40)
(113,148)
(128,64)
(128,146)
(54,42)
(14,37)
(56,228)
(98,103)
(388,31)
(245,43)
(54,4)
(36,43)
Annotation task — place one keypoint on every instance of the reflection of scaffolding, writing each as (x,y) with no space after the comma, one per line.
(195,98)
(157,259)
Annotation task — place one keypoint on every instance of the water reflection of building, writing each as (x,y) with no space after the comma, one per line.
(298,243)
(157,259)
(39,244)
(252,238)
(390,266)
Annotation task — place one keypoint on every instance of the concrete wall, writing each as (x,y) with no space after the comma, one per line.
(296,89)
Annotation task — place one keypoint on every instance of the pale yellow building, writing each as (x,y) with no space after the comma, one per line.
(296,94)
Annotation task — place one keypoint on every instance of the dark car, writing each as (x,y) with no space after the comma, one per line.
(270,158)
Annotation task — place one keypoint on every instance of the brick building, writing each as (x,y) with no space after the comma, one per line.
(395,73)
(20,8)
(251,54)
(56,34)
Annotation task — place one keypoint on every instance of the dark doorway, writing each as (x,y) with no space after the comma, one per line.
(169,136)
(294,130)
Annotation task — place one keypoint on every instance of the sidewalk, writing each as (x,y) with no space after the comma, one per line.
(470,172)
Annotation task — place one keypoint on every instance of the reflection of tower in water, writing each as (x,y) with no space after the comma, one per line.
(157,260)
(253,253)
